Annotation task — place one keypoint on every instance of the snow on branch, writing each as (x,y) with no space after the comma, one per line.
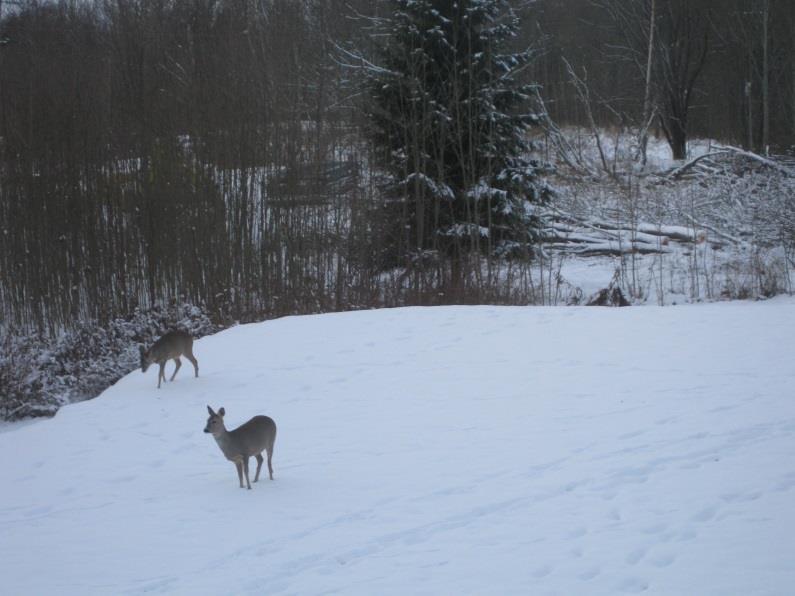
(435,189)
(464,230)
(763,160)
(684,168)
(724,150)
(483,190)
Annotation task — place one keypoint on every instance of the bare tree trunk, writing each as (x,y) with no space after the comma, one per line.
(765,79)
(750,141)
(584,94)
(683,51)
(644,132)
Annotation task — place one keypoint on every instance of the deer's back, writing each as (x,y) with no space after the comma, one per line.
(255,435)
(172,345)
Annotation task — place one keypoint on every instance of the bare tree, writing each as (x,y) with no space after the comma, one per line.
(648,109)
(683,49)
(765,14)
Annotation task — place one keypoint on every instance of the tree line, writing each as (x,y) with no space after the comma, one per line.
(139,141)
(731,61)
(224,152)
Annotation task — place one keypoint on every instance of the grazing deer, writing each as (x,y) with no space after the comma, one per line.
(252,438)
(171,346)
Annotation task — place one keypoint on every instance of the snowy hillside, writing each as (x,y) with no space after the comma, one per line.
(451,450)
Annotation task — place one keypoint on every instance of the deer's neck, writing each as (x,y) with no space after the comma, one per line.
(226,443)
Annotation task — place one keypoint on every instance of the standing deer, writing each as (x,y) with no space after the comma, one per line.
(252,438)
(171,346)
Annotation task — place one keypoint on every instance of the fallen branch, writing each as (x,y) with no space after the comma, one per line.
(563,148)
(763,160)
(584,248)
(678,172)
(714,230)
(584,94)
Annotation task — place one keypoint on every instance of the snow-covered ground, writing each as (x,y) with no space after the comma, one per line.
(449,450)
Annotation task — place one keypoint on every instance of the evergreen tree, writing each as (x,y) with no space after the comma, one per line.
(449,117)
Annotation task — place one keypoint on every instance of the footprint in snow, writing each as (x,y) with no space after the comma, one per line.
(655,528)
(705,514)
(589,574)
(697,436)
(664,560)
(667,420)
(633,585)
(721,409)
(785,484)
(121,479)
(687,535)
(577,532)
(635,556)
(631,435)
(740,497)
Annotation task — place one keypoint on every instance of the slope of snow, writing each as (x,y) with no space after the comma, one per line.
(450,450)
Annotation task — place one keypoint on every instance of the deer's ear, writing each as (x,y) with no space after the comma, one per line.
(210,410)
(221,412)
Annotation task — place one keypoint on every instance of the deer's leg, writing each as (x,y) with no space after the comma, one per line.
(178,362)
(194,362)
(161,374)
(259,465)
(245,469)
(270,467)
(239,466)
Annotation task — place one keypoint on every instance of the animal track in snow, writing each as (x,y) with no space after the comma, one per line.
(657,528)
(589,574)
(741,497)
(705,514)
(635,556)
(123,479)
(633,585)
(631,435)
(662,560)
(578,532)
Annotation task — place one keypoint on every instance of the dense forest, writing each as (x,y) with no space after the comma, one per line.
(212,150)
(256,158)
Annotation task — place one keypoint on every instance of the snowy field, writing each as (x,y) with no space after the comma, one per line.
(450,450)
